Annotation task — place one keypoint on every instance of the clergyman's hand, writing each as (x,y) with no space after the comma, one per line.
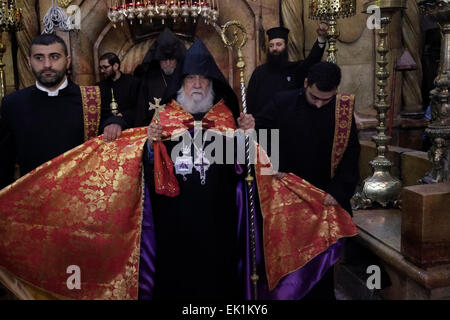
(330,200)
(112,132)
(154,132)
(246,122)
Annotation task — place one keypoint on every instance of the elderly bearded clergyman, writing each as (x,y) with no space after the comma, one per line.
(196,226)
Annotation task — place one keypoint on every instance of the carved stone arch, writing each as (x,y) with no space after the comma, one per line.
(98,36)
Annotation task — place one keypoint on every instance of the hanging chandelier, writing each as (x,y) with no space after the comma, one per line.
(143,11)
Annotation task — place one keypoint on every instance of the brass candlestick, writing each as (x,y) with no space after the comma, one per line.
(330,11)
(381,187)
(10,21)
(439,129)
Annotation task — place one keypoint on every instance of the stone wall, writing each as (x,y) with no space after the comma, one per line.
(356,44)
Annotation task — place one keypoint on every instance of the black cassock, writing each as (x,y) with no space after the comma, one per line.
(306,143)
(305,147)
(197,232)
(153,85)
(268,79)
(125,93)
(154,82)
(35,128)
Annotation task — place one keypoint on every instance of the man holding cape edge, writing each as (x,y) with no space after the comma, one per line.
(93,216)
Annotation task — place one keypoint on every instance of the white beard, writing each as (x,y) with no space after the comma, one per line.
(196,103)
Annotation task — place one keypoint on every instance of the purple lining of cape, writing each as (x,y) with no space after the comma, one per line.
(294,286)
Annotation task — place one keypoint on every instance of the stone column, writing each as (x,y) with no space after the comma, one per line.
(30,30)
(292,13)
(439,129)
(412,80)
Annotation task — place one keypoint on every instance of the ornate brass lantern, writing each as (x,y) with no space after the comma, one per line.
(10,21)
(122,10)
(330,11)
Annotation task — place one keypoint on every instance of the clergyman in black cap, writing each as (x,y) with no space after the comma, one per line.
(278,73)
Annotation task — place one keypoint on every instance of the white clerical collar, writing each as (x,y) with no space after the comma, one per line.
(55,92)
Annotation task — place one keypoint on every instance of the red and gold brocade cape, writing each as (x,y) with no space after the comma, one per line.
(297,226)
(84,208)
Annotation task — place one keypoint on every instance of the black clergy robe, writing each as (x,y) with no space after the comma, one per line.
(153,85)
(196,233)
(125,93)
(35,128)
(267,79)
(306,143)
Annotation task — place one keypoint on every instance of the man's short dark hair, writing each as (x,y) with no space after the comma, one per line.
(325,75)
(111,57)
(47,39)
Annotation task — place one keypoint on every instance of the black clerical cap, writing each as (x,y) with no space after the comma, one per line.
(166,46)
(278,32)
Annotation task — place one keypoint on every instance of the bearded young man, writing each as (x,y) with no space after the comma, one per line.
(278,73)
(318,142)
(45,120)
(125,88)
(180,229)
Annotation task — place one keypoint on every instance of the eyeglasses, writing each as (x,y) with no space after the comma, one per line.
(104,67)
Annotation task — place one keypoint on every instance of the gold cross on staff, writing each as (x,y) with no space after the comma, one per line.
(157,107)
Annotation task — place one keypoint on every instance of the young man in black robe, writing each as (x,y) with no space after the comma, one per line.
(312,146)
(278,73)
(125,89)
(45,120)
(156,72)
(197,230)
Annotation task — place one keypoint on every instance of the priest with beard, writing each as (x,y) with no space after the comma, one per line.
(47,119)
(125,88)
(156,72)
(278,73)
(178,230)
(196,227)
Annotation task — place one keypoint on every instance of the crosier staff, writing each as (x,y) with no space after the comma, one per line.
(237,42)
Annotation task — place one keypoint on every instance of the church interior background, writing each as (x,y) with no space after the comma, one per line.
(404,232)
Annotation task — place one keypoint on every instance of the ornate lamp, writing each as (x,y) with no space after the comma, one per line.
(381,187)
(10,21)
(132,10)
(331,10)
(439,129)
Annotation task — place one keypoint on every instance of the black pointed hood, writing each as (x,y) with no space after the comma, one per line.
(198,60)
(166,46)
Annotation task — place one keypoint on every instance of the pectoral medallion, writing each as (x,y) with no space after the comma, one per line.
(202,164)
(183,164)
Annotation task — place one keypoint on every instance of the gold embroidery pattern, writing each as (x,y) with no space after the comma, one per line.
(296,225)
(174,119)
(82,208)
(345,104)
(91,100)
